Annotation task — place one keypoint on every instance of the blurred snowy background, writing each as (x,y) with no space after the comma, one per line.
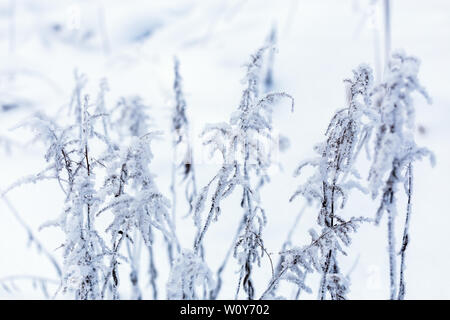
(132,44)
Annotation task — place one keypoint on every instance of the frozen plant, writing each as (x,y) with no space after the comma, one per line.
(72,165)
(394,151)
(138,207)
(335,175)
(245,146)
(183,163)
(130,117)
(129,193)
(134,200)
(300,261)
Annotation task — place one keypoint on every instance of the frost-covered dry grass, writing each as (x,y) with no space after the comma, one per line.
(122,55)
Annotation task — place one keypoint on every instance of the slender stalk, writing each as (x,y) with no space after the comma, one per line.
(134,250)
(388,204)
(392,259)
(215,292)
(331,214)
(153,273)
(113,270)
(31,235)
(173,189)
(174,203)
(405,241)
(247,281)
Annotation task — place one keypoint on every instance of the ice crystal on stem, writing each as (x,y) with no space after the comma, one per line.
(245,145)
(334,177)
(395,149)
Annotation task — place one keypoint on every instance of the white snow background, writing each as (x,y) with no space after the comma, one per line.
(132,44)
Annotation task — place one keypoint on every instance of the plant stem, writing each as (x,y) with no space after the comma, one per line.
(405,241)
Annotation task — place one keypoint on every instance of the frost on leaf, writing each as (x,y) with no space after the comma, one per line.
(334,177)
(245,144)
(395,149)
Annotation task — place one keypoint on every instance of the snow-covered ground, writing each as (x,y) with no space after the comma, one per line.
(132,44)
